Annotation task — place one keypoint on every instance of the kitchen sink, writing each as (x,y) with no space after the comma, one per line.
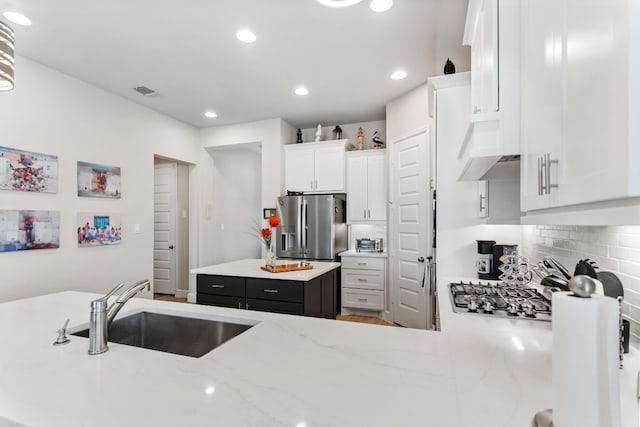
(187,336)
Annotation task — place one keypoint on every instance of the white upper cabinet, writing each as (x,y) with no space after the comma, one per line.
(580,103)
(492,29)
(366,186)
(315,167)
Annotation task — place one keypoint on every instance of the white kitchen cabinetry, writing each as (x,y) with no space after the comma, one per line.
(492,30)
(499,201)
(580,101)
(315,167)
(363,282)
(366,186)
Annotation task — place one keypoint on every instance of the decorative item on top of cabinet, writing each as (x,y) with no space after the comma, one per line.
(337,132)
(363,283)
(360,139)
(318,133)
(315,167)
(299,136)
(366,186)
(377,141)
(449,67)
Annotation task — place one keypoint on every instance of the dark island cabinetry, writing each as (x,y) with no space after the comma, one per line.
(316,297)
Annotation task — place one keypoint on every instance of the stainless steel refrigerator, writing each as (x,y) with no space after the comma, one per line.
(312,226)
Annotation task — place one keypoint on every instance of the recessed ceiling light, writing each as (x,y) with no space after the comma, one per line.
(210,114)
(302,91)
(380,5)
(398,75)
(339,3)
(246,35)
(17,18)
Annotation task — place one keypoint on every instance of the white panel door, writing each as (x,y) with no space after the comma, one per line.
(411,235)
(299,175)
(164,228)
(329,169)
(356,188)
(377,188)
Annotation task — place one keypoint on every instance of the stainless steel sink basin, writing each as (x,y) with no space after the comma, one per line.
(187,336)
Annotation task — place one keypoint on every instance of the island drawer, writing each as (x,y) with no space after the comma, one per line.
(276,290)
(363,279)
(221,285)
(282,307)
(360,298)
(362,263)
(221,300)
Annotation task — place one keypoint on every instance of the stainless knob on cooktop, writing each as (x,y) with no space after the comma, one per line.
(512,308)
(487,306)
(472,305)
(529,310)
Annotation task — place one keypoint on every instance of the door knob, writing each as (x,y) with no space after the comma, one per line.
(421,259)
(170,246)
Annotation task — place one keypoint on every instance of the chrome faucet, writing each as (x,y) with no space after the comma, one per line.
(102,314)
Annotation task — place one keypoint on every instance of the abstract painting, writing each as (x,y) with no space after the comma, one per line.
(28,171)
(98,180)
(26,230)
(98,229)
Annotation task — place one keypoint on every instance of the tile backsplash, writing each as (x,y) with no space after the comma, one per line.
(615,249)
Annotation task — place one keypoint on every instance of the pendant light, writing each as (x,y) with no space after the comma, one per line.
(7,61)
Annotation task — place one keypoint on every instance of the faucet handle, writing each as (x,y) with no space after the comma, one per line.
(101,303)
(62,335)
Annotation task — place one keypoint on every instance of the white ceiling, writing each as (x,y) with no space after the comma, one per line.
(187,52)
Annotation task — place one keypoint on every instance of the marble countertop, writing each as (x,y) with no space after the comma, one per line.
(285,371)
(353,252)
(251,268)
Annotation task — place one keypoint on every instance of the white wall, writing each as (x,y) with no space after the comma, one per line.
(237,212)
(451,16)
(408,113)
(51,113)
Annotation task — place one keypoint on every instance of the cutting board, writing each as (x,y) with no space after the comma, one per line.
(283,268)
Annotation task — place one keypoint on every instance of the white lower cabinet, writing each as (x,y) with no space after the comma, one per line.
(363,282)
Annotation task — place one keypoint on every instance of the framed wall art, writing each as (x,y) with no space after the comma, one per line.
(22,230)
(98,229)
(96,180)
(27,171)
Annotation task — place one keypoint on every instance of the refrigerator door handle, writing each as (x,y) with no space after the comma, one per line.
(303,228)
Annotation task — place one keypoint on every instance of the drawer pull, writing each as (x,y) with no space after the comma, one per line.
(363,299)
(217,286)
(362,263)
(271,291)
(362,280)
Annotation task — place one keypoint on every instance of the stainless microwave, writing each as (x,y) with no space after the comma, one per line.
(368,245)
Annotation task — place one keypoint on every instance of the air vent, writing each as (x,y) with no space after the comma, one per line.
(143,90)
(511,158)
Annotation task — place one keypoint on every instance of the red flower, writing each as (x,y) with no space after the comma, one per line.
(266,233)
(274,221)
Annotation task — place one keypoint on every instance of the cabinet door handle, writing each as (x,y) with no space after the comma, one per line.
(369,213)
(481,199)
(311,184)
(364,213)
(362,263)
(363,299)
(547,169)
(540,176)
(217,286)
(246,306)
(362,280)
(270,291)
(240,305)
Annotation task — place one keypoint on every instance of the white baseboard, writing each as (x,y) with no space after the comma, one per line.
(191,297)
(182,293)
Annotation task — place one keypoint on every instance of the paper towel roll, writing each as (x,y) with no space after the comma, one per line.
(585,366)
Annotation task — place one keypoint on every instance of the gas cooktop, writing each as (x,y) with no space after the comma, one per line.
(500,300)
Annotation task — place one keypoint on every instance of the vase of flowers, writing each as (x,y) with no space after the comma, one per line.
(267,235)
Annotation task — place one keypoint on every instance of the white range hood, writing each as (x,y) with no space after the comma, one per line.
(488,153)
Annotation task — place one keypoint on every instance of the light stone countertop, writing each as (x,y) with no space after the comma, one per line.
(251,268)
(286,371)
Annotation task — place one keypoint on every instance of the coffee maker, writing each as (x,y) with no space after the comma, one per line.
(489,262)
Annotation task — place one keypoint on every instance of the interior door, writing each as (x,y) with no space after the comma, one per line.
(411,225)
(164,228)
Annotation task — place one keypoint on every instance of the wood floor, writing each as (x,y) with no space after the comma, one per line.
(343,317)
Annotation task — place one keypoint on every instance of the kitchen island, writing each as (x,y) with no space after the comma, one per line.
(243,284)
(292,371)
